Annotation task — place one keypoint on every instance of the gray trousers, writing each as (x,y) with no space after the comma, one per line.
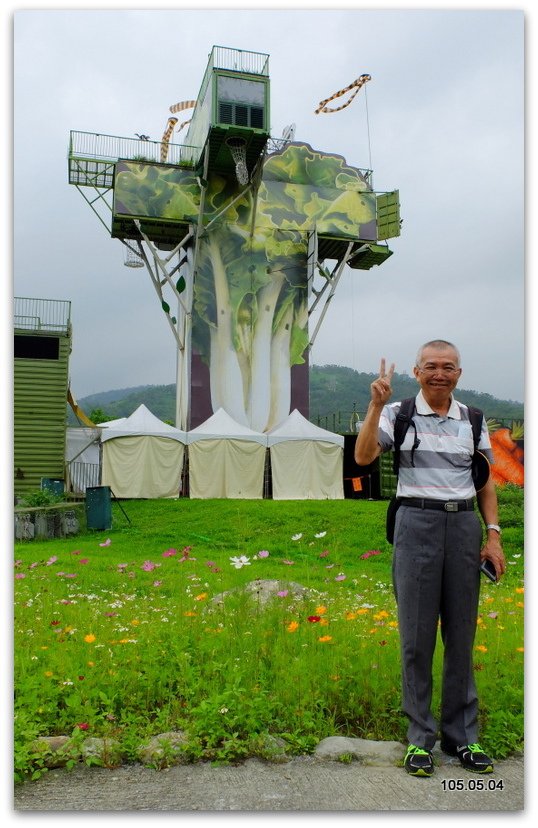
(436,578)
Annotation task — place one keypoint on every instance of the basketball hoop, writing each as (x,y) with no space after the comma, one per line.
(132,257)
(238,149)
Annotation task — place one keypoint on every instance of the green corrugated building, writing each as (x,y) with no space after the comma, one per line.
(41,375)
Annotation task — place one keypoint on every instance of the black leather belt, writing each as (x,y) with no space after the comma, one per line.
(443,505)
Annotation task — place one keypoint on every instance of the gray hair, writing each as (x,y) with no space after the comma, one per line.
(439,344)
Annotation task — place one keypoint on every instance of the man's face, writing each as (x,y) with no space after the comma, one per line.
(438,372)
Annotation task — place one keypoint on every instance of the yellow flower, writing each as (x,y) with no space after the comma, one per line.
(520,589)
(201,597)
(325,638)
(135,622)
(520,649)
(350,616)
(49,673)
(90,638)
(481,648)
(321,610)
(488,600)
(392,624)
(520,604)
(91,663)
(292,626)
(479,620)
(362,611)
(189,614)
(380,615)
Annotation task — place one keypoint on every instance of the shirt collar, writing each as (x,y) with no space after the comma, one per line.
(423,407)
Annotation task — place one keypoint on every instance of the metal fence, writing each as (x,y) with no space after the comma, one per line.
(41,314)
(114,147)
(349,422)
(82,476)
(238,60)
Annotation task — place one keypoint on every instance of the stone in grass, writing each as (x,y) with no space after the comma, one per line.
(270,748)
(263,590)
(165,750)
(366,751)
(106,752)
(55,751)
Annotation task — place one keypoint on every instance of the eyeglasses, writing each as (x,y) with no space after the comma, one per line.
(449,370)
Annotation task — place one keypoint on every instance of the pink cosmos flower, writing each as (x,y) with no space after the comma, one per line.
(148,566)
(169,553)
(106,543)
(289,563)
(340,577)
(324,553)
(283,593)
(370,553)
(84,560)
(263,553)
(20,575)
(52,560)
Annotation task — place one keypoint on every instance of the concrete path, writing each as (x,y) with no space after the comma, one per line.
(302,784)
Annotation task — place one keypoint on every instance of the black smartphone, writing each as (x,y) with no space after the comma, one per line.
(488,569)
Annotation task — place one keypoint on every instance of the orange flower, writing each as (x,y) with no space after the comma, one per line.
(481,648)
(325,638)
(321,610)
(201,597)
(350,616)
(90,638)
(519,589)
(292,626)
(520,649)
(362,611)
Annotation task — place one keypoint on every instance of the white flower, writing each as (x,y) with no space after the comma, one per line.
(298,536)
(320,534)
(238,562)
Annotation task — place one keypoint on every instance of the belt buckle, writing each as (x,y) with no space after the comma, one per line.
(451,507)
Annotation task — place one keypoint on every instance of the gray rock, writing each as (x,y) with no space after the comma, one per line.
(366,751)
(164,750)
(55,751)
(107,751)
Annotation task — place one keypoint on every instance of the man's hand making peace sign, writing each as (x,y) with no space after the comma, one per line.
(367,447)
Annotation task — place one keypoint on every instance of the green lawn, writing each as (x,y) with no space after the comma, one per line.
(117,633)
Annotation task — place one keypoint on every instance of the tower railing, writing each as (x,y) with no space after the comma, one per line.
(41,314)
(94,145)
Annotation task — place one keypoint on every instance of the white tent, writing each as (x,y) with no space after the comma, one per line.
(306,461)
(226,459)
(142,456)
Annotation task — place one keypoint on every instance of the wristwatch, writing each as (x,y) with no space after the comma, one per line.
(493,526)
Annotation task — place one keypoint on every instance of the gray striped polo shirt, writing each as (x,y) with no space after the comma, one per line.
(442,469)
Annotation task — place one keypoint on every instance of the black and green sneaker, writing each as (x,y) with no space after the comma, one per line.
(472,757)
(418,762)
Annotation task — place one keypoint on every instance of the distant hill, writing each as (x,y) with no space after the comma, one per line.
(335,393)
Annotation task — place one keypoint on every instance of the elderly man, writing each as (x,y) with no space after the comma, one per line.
(437,552)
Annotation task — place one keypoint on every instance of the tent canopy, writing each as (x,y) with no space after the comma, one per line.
(226,459)
(143,457)
(141,423)
(297,427)
(220,426)
(306,461)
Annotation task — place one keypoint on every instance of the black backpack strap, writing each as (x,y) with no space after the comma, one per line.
(476,417)
(404,419)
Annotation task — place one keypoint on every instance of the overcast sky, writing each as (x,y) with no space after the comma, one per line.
(442,120)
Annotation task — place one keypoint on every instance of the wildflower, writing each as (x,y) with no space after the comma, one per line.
(320,534)
(519,589)
(122,567)
(325,638)
(324,553)
(106,543)
(282,593)
(20,575)
(54,623)
(292,626)
(350,616)
(157,583)
(340,577)
(481,648)
(239,561)
(380,615)
(223,710)
(148,566)
(52,560)
(168,553)
(370,553)
(48,673)
(84,560)
(288,563)
(82,725)
(296,537)
(492,614)
(263,553)
(520,649)
(135,622)
(314,619)
(321,610)
(90,638)
(201,597)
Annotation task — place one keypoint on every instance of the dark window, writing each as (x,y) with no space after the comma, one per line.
(37,347)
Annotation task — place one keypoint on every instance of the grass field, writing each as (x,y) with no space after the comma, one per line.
(118,634)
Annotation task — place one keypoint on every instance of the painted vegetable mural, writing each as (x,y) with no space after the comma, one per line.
(508,454)
(250,310)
